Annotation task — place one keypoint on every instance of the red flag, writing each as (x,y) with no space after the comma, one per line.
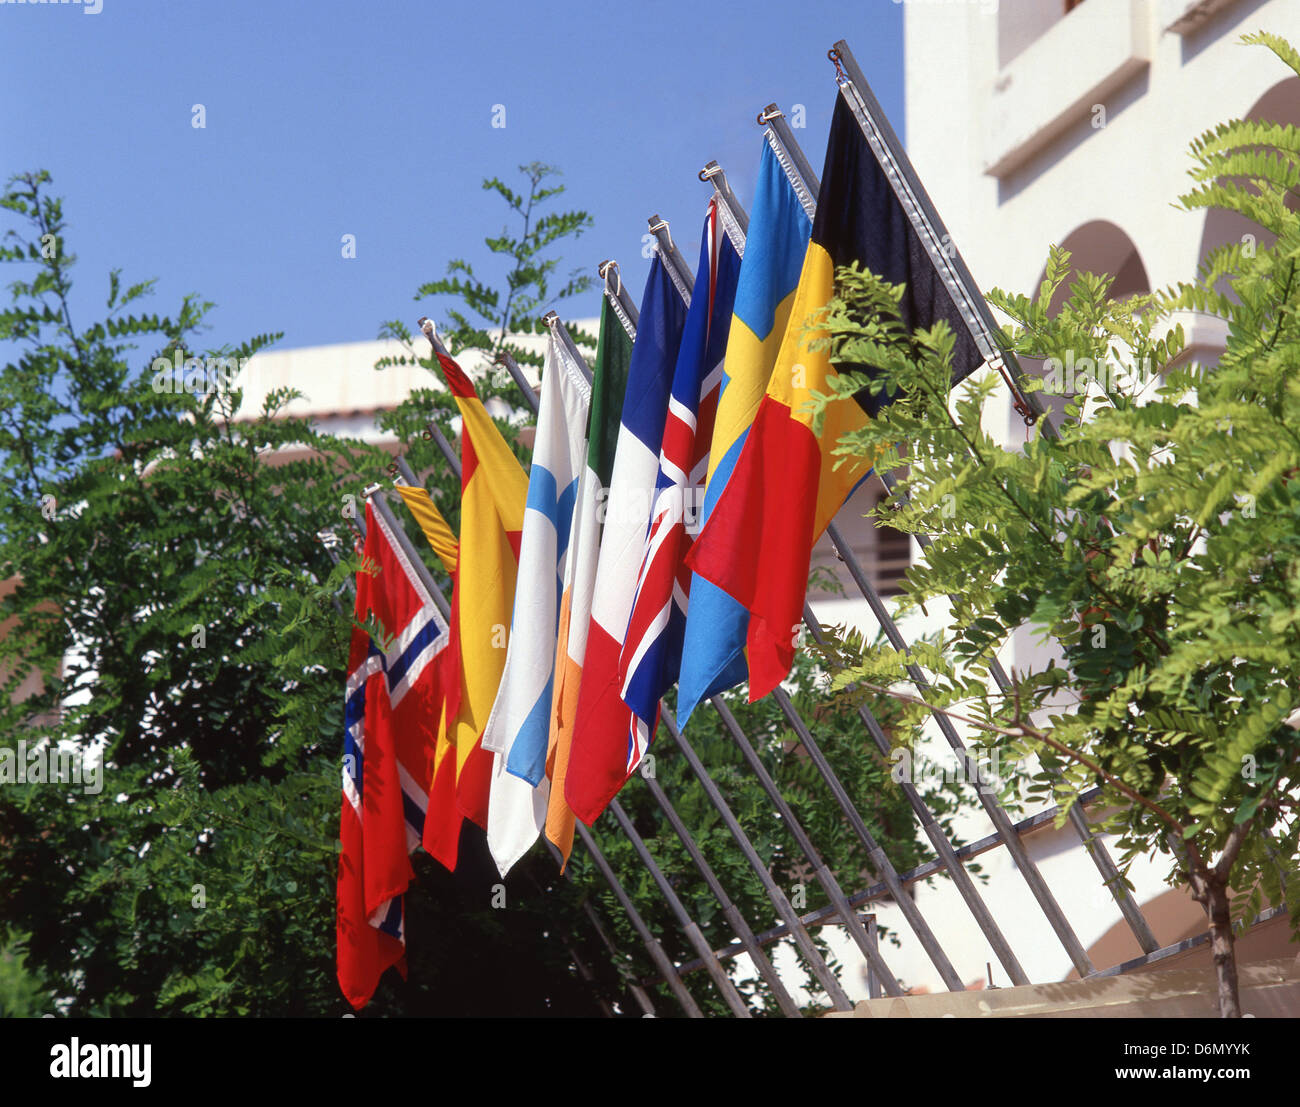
(392,704)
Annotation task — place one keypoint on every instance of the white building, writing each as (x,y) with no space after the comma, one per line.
(1039,122)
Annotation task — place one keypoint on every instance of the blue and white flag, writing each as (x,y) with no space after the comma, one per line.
(519,725)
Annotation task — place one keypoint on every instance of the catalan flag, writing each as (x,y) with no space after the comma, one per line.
(494,490)
(785,488)
(713,654)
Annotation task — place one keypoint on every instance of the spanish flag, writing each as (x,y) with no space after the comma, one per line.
(785,489)
(494,490)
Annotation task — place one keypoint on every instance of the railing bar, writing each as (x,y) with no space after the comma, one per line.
(721,980)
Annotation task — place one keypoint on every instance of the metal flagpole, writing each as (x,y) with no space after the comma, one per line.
(791,158)
(984,330)
(988,800)
(921,212)
(662,962)
(721,980)
(785,911)
(628,313)
(821,871)
(729,910)
(734,217)
(909,909)
(678,270)
(942,846)
(638,993)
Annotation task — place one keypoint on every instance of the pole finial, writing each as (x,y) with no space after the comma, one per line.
(427,326)
(768,114)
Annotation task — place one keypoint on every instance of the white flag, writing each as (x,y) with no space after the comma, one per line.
(519,726)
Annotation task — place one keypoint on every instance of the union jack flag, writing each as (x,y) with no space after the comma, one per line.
(652,648)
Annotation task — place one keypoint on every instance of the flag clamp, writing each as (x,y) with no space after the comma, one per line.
(841,78)
(604,268)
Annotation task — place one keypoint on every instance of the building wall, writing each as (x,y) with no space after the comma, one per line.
(1031,126)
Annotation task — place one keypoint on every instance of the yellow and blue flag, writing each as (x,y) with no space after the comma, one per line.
(713,653)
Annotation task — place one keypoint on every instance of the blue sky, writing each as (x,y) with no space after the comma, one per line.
(375,120)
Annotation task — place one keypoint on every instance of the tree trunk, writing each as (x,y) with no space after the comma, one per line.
(1215,899)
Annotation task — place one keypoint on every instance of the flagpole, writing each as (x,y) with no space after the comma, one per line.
(785,911)
(791,158)
(678,270)
(1037,885)
(748,941)
(916,203)
(638,993)
(943,252)
(652,944)
(889,874)
(694,935)
(561,332)
(735,220)
(627,312)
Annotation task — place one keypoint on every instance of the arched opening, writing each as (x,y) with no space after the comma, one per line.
(1280,104)
(1098,246)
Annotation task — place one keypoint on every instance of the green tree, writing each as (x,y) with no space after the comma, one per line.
(170,616)
(1156,539)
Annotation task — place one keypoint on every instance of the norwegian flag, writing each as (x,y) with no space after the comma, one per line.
(391,709)
(652,650)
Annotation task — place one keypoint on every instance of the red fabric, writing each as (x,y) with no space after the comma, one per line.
(757,544)
(598,758)
(457,381)
(364,952)
(383,740)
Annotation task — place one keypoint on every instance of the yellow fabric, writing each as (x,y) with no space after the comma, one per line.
(436,529)
(748,367)
(800,371)
(491,519)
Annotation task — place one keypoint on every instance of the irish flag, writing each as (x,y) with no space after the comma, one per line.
(608,739)
(609,382)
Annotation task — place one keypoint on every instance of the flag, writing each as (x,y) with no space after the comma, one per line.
(608,740)
(609,382)
(443,817)
(436,529)
(493,492)
(519,727)
(713,652)
(785,488)
(393,699)
(652,651)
